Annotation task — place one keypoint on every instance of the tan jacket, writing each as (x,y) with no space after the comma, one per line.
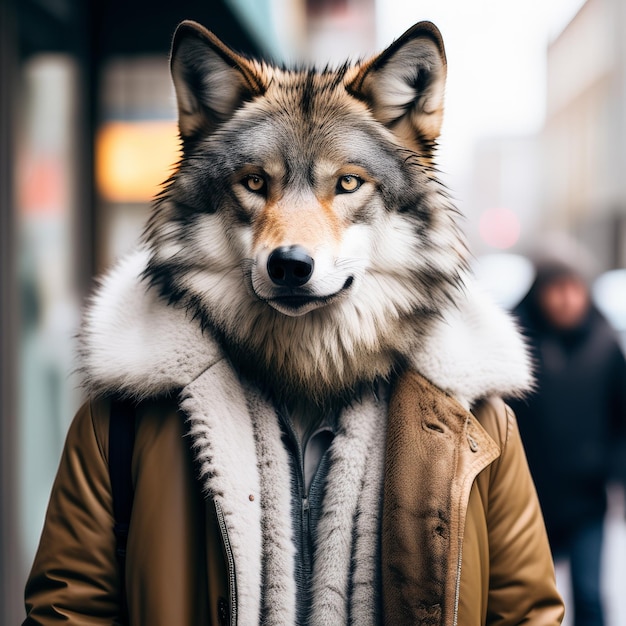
(463,537)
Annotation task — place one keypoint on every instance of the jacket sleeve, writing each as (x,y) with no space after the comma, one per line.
(74,576)
(522,580)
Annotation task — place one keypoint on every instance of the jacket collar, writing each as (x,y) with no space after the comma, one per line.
(133,342)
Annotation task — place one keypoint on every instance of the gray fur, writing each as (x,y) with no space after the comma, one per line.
(292,121)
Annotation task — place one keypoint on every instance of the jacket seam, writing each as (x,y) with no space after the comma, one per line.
(510,417)
(92,418)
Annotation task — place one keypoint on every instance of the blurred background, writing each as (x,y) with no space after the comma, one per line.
(534,140)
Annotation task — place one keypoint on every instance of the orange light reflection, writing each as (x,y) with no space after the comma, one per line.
(134,158)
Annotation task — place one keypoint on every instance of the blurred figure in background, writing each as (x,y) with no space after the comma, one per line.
(573,422)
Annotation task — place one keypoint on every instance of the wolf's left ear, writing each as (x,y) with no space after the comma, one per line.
(404,85)
(210,79)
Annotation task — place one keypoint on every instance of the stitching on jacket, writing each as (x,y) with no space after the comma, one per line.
(510,421)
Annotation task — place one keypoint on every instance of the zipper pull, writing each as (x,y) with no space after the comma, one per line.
(305,514)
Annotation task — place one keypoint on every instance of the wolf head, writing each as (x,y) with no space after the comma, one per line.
(305,226)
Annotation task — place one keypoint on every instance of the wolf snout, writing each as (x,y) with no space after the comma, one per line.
(290,266)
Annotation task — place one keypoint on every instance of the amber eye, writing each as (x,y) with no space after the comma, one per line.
(254,183)
(348,183)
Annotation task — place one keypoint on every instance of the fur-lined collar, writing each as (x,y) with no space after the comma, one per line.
(135,343)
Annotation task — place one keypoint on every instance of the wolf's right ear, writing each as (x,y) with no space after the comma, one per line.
(210,79)
(404,85)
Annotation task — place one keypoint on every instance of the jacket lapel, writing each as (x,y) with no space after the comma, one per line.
(223,442)
(278,551)
(435,449)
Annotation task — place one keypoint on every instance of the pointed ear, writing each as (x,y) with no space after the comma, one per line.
(210,79)
(404,85)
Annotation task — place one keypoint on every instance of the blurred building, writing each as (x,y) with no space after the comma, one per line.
(570,175)
(584,140)
(339,29)
(503,199)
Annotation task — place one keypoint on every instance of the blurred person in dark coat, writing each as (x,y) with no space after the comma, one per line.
(573,422)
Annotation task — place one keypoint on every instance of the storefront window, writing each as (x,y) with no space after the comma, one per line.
(137,146)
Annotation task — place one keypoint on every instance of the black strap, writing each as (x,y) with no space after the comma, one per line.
(121,444)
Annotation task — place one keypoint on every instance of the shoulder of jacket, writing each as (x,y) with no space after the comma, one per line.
(89,430)
(99,410)
(496,417)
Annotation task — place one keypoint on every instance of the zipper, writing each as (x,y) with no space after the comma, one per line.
(306,512)
(305,508)
(473,445)
(457,591)
(230,563)
(305,543)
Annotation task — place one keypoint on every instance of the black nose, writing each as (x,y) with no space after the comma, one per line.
(290,266)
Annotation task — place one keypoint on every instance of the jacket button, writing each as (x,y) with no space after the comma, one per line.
(222,612)
(473,444)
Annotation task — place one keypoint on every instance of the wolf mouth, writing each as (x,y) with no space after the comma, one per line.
(296,300)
